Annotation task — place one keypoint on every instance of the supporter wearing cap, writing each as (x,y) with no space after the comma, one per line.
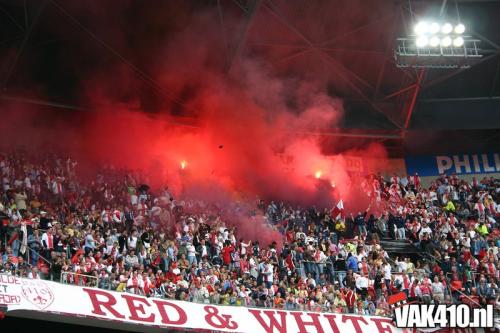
(165,237)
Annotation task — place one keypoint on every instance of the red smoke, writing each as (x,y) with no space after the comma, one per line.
(248,133)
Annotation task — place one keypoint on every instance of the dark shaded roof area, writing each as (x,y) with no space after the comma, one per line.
(48,47)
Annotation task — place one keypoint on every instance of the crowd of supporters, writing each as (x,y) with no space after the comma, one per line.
(113,232)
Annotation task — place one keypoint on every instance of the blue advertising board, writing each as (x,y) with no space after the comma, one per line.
(461,164)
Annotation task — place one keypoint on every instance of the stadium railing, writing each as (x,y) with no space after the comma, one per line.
(79,279)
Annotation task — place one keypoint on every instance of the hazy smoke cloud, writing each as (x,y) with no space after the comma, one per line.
(249,133)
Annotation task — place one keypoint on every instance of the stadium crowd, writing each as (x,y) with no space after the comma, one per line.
(113,232)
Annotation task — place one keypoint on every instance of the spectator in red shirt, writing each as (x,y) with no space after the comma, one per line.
(227,250)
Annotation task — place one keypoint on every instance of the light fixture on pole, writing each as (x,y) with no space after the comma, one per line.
(447,28)
(437,44)
(421,28)
(434,28)
(446,41)
(434,41)
(458,42)
(422,41)
(459,29)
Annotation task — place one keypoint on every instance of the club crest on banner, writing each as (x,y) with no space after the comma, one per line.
(37,293)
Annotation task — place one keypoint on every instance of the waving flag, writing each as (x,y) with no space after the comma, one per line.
(338,211)
(397,300)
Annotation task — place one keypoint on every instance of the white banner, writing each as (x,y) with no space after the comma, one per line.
(81,302)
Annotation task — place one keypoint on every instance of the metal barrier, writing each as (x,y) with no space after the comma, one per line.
(320,270)
(39,256)
(427,255)
(248,302)
(474,282)
(333,275)
(79,279)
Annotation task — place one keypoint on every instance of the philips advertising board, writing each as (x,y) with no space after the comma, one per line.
(461,164)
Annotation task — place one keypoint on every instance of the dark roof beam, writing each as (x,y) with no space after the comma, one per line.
(448,76)
(338,67)
(236,52)
(388,48)
(459,99)
(11,18)
(388,16)
(19,52)
(414,96)
(494,83)
(141,74)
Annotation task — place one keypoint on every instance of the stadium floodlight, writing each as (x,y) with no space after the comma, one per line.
(434,41)
(458,42)
(446,41)
(447,28)
(422,41)
(459,29)
(437,43)
(421,28)
(434,28)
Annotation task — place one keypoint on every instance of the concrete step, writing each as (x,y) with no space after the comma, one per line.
(399,246)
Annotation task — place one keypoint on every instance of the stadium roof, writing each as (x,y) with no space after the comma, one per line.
(347,44)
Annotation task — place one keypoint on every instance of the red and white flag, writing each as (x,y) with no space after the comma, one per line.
(338,211)
(397,300)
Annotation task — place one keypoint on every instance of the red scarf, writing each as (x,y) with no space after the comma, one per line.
(244,265)
(350,298)
(266,276)
(406,282)
(269,254)
(141,208)
(491,268)
(146,287)
(473,264)
(412,291)
(135,284)
(50,241)
(480,207)
(364,268)
(416,180)
(289,262)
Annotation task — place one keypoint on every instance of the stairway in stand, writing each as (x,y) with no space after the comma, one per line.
(400,248)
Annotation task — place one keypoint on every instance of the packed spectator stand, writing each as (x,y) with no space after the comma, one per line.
(115,233)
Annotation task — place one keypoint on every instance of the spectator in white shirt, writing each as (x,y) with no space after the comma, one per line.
(362,283)
(437,289)
(33,274)
(401,265)
(191,254)
(425,229)
(387,273)
(132,240)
